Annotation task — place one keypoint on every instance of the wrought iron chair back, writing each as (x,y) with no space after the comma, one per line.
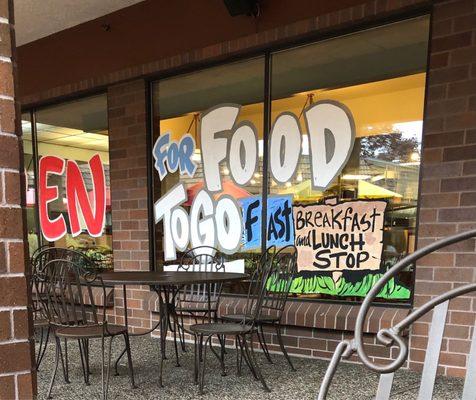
(394,336)
(204,297)
(45,254)
(283,270)
(42,256)
(257,290)
(68,298)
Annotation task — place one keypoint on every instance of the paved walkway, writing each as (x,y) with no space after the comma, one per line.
(351,382)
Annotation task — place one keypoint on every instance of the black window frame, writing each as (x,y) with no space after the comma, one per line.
(31,111)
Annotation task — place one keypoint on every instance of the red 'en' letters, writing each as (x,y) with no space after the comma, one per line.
(52,229)
(76,194)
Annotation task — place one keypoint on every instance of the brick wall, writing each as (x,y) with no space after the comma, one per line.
(17,378)
(448,202)
(128,172)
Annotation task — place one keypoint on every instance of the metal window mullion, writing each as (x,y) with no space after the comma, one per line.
(266,128)
(34,146)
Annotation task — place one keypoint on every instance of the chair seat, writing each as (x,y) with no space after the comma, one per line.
(193,309)
(89,331)
(239,317)
(217,328)
(40,323)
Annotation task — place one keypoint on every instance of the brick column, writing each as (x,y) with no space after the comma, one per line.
(17,378)
(128,169)
(448,201)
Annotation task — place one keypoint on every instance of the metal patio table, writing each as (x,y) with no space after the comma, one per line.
(166,285)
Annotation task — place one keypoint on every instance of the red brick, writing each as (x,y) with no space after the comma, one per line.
(12,188)
(6,83)
(457,214)
(17,257)
(9,156)
(447,9)
(21,328)
(442,170)
(10,227)
(26,386)
(436,230)
(451,42)
(468,199)
(7,387)
(451,74)
(15,357)
(5,327)
(7,116)
(458,184)
(444,139)
(13,291)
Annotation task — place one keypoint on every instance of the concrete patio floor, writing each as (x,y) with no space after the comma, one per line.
(351,381)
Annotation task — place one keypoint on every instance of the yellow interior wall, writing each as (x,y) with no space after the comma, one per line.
(375,106)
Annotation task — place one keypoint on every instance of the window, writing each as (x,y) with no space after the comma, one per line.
(178,104)
(379,75)
(75,132)
(376,79)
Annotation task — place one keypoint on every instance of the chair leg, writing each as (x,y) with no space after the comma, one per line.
(175,328)
(53,376)
(243,356)
(222,354)
(202,369)
(43,346)
(262,343)
(252,359)
(116,364)
(129,360)
(195,359)
(182,336)
(106,374)
(83,362)
(64,363)
(239,357)
(283,349)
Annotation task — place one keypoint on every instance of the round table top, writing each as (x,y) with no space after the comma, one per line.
(169,278)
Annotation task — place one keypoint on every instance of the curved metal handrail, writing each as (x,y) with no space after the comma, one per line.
(391,336)
(387,336)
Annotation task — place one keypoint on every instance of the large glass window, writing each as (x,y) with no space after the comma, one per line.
(74,131)
(364,220)
(379,75)
(178,106)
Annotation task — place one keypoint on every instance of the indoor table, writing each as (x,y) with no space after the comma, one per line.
(166,285)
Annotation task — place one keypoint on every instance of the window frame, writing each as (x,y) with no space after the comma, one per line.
(267,54)
(32,111)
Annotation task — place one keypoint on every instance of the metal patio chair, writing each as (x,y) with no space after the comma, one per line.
(275,300)
(242,331)
(69,306)
(41,256)
(394,336)
(197,301)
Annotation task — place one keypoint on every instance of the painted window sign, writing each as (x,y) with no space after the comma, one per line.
(340,245)
(335,237)
(80,206)
(280,224)
(219,222)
